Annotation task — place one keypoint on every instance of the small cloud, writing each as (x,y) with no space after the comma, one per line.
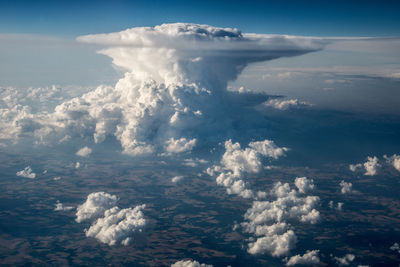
(61,207)
(84,152)
(194,162)
(346,188)
(197,59)
(304,185)
(94,206)
(285,104)
(338,207)
(117,225)
(346,260)
(371,166)
(241,90)
(177,179)
(27,173)
(355,167)
(179,145)
(110,224)
(189,263)
(395,247)
(394,161)
(309,258)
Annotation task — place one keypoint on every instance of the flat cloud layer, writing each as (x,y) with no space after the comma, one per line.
(172,97)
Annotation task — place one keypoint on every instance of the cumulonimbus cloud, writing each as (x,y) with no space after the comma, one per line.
(173,94)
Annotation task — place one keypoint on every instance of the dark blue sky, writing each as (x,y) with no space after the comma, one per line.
(320,18)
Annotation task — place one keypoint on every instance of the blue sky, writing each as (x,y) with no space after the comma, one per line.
(319,18)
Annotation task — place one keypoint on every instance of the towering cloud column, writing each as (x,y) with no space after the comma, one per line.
(176,78)
(173,95)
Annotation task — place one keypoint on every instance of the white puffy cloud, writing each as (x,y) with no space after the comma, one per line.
(236,162)
(345,260)
(268,220)
(117,225)
(61,207)
(277,242)
(172,96)
(189,263)
(346,188)
(285,104)
(176,179)
(110,224)
(371,166)
(179,145)
(95,206)
(304,184)
(288,205)
(394,161)
(27,173)
(309,258)
(84,152)
(268,148)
